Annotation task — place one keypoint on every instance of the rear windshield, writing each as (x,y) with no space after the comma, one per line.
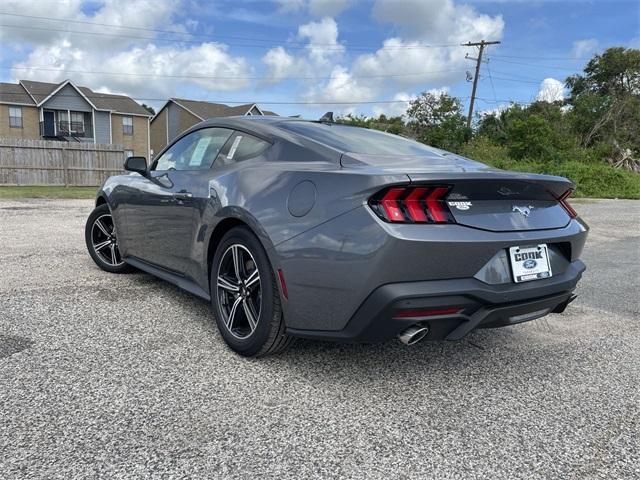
(357,140)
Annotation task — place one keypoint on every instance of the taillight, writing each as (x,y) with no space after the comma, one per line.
(563,200)
(419,204)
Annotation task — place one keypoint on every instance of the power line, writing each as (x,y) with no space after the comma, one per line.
(516,80)
(515,75)
(537,58)
(504,100)
(555,67)
(333,47)
(232,102)
(206,36)
(215,77)
(493,88)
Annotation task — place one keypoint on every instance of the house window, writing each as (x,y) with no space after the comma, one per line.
(15,117)
(127,125)
(77,122)
(128,153)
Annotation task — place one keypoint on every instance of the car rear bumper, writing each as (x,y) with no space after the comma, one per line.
(480,304)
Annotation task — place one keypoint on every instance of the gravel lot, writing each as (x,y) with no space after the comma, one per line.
(108,376)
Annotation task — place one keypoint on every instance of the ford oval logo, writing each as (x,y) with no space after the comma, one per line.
(529,264)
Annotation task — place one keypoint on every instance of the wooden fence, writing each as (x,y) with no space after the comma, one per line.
(44,162)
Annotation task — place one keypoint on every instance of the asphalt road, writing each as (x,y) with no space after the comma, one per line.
(108,376)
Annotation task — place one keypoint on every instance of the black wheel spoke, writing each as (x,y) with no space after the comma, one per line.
(104,241)
(238,291)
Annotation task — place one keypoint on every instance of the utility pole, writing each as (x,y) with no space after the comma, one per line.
(481,44)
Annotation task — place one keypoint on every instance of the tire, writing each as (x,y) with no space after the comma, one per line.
(101,240)
(255,326)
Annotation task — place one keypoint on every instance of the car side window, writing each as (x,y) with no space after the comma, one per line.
(195,151)
(242,146)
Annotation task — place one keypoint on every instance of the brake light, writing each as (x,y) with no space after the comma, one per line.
(421,204)
(563,200)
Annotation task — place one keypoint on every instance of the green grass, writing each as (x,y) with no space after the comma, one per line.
(593,178)
(597,180)
(48,192)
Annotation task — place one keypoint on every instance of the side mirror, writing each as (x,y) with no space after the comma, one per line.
(136,164)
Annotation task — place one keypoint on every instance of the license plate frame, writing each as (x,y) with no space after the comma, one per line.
(530,262)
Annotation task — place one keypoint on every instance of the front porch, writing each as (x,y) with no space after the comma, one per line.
(67,124)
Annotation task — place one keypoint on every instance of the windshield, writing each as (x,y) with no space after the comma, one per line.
(357,140)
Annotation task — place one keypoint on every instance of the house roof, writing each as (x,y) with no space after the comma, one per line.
(27,91)
(116,103)
(14,93)
(206,110)
(39,90)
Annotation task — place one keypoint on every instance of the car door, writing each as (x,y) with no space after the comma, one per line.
(163,217)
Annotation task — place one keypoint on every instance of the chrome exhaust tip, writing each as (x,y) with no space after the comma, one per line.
(413,335)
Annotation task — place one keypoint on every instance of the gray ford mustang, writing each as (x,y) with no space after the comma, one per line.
(296,228)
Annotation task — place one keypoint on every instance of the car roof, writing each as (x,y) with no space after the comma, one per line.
(266,125)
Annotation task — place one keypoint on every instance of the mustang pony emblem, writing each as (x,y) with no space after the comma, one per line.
(524,211)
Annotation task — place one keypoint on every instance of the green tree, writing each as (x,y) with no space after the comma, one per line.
(149,109)
(437,120)
(394,125)
(605,101)
(530,136)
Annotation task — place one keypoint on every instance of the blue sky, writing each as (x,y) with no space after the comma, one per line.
(350,52)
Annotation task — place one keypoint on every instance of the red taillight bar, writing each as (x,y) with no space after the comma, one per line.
(390,205)
(563,200)
(437,208)
(414,205)
(419,204)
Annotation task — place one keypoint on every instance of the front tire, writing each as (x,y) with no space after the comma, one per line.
(102,242)
(244,296)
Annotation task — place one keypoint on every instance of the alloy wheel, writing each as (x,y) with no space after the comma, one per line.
(104,241)
(239,291)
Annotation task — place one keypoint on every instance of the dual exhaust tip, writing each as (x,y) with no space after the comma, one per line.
(413,334)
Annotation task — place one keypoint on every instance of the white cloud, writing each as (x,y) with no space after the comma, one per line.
(281,64)
(288,6)
(584,48)
(318,8)
(551,90)
(341,87)
(402,62)
(395,109)
(139,67)
(495,110)
(136,66)
(438,20)
(328,8)
(322,39)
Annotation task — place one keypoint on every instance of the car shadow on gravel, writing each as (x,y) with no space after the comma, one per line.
(519,347)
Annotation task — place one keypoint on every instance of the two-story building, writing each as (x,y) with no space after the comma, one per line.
(64,111)
(179,114)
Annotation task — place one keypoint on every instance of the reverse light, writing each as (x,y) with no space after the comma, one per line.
(420,204)
(563,200)
(423,313)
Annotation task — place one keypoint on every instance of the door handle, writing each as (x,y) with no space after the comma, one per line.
(183,195)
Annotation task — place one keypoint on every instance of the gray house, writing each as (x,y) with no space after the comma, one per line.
(65,111)
(179,114)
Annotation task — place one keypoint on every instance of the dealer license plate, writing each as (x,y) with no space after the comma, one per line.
(530,263)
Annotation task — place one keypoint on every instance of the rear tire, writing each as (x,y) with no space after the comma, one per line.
(245,296)
(102,243)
